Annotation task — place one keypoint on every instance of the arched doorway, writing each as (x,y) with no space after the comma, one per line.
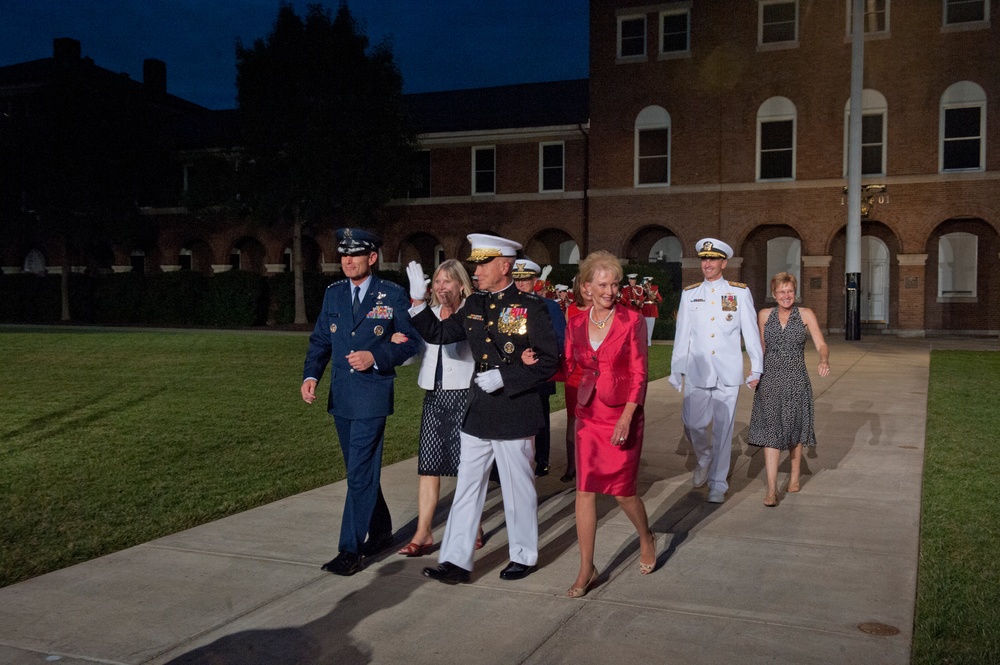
(551,247)
(874,280)
(423,248)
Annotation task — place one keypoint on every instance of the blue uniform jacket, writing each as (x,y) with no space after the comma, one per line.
(367,394)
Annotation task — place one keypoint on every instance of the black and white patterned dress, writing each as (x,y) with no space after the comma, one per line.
(440,424)
(782,415)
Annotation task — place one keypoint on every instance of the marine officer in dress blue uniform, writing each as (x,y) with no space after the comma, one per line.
(352,334)
(525,273)
(708,359)
(503,412)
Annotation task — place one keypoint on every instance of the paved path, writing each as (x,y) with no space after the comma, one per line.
(735,582)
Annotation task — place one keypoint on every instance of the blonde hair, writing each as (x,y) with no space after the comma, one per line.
(456,272)
(600,260)
(783,278)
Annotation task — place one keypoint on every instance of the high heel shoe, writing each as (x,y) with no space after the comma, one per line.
(580,592)
(770,501)
(569,476)
(415,550)
(479,539)
(647,568)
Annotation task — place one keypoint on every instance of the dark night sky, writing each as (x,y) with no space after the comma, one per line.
(438,44)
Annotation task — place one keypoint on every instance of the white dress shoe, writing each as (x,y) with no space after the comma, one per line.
(716,496)
(700,476)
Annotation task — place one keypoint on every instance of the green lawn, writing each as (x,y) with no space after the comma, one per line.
(958,586)
(112,439)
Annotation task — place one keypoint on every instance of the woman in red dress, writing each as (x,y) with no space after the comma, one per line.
(609,347)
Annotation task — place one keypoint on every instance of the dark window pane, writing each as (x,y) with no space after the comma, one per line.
(484,160)
(185,261)
(654,142)
(774,135)
(871,159)
(962,154)
(552,156)
(675,28)
(633,40)
(966,11)
(778,23)
(776,164)
(778,13)
(484,182)
(871,128)
(961,122)
(552,179)
(652,171)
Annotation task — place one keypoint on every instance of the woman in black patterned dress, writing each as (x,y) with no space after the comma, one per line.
(445,372)
(782,416)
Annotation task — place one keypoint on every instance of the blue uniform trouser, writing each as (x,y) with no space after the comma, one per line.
(365,510)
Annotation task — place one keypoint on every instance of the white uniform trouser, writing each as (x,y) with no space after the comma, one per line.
(650,324)
(716,407)
(520,502)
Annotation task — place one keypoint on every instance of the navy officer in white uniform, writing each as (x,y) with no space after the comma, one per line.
(707,357)
(352,334)
(503,412)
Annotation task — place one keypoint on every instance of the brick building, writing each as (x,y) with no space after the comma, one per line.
(726,118)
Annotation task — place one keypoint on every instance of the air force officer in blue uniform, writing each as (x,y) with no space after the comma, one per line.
(352,334)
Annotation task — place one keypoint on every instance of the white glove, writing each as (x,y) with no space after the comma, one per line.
(489,381)
(545,272)
(418,285)
(676,380)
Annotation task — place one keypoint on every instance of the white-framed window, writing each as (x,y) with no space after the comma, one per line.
(778,23)
(632,37)
(675,31)
(876,19)
(652,147)
(957,258)
(484,170)
(784,254)
(965,13)
(552,166)
(962,128)
(776,120)
(874,120)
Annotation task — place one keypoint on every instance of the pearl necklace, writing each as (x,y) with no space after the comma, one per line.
(601,324)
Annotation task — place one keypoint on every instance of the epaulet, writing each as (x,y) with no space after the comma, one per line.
(692,286)
(339,281)
(391,285)
(739,285)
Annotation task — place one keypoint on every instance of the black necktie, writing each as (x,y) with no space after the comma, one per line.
(357,302)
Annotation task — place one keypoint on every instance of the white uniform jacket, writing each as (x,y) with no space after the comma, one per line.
(710,319)
(457,365)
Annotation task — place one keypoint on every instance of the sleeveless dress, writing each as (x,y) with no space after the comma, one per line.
(782,415)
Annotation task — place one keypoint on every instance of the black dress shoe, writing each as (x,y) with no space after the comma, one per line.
(377,544)
(448,573)
(515,571)
(345,563)
(541,470)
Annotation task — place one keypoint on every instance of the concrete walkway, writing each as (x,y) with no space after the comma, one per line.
(735,582)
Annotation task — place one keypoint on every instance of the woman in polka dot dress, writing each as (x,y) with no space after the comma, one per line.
(782,416)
